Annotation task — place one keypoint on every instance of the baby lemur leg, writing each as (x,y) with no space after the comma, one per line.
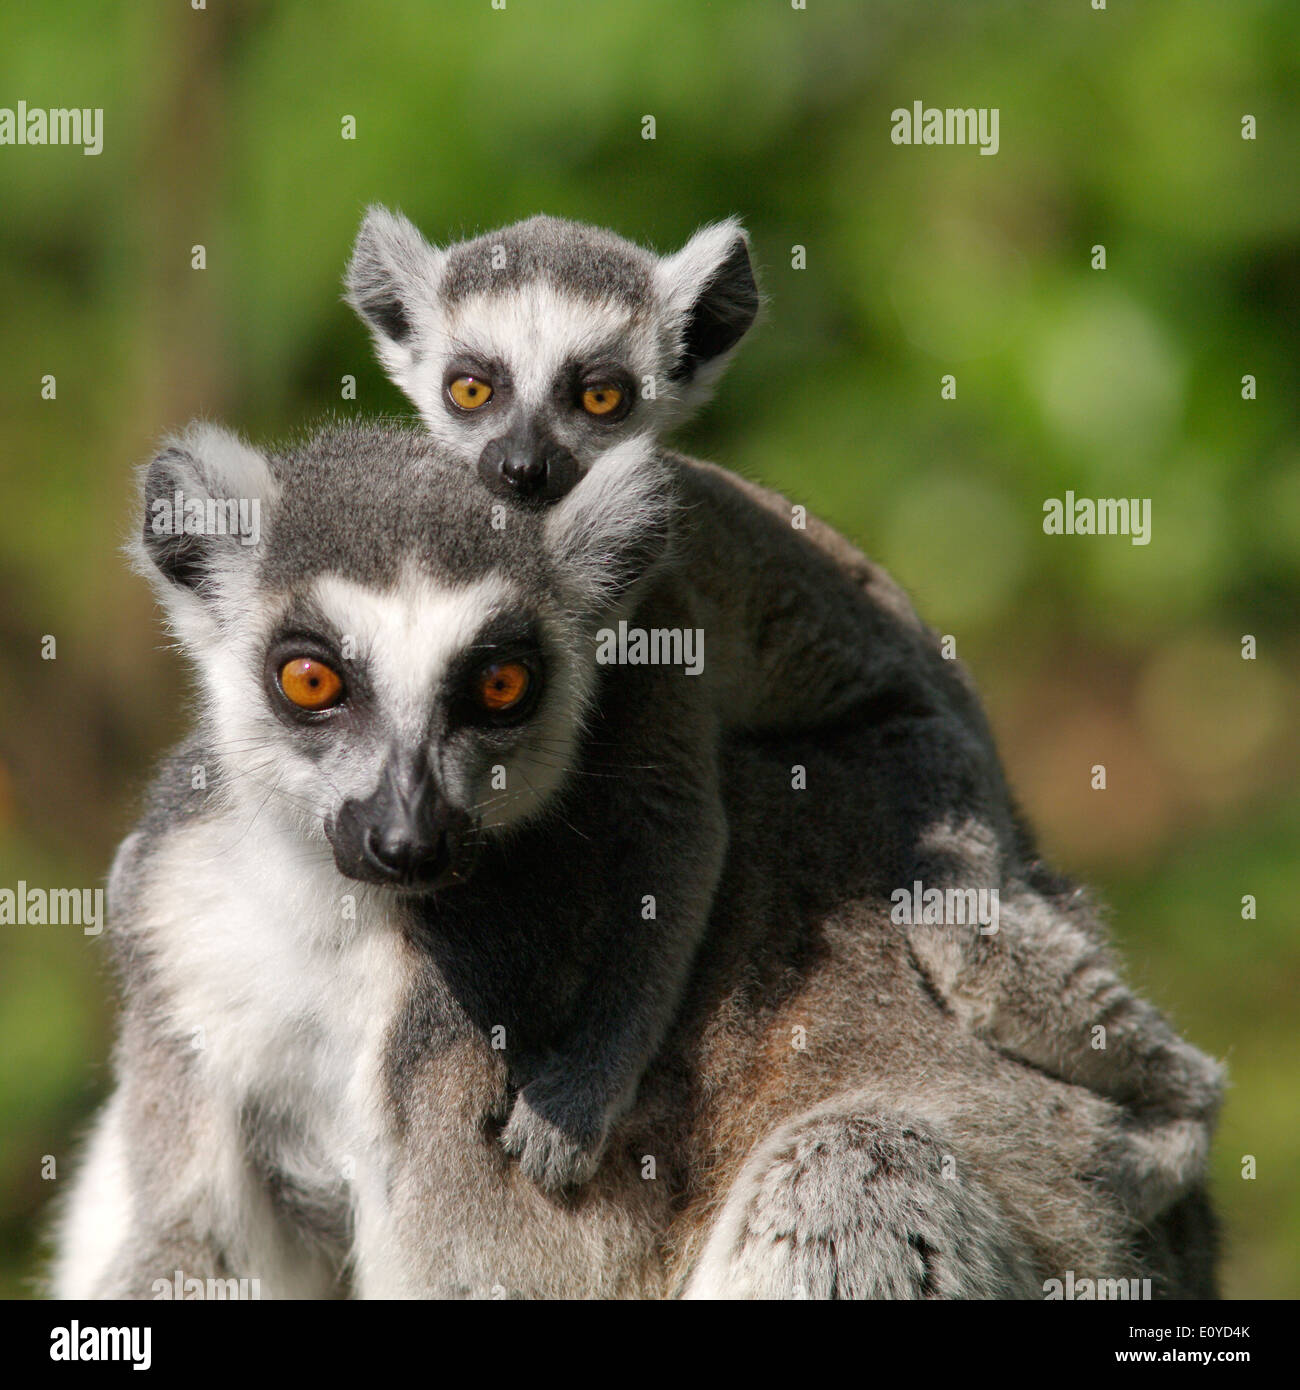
(846,1203)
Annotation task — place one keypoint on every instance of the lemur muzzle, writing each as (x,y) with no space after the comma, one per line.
(405,834)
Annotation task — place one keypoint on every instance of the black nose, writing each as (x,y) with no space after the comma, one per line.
(527,467)
(396,855)
(405,834)
(526,474)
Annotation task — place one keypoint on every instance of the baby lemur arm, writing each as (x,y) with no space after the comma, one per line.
(790,643)
(649,807)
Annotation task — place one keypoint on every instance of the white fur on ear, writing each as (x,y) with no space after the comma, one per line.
(615,526)
(685,273)
(389,279)
(228,466)
(709,293)
(206,497)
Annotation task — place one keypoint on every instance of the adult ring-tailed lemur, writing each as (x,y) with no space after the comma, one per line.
(472,963)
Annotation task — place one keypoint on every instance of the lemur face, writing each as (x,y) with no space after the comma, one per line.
(533,351)
(383,668)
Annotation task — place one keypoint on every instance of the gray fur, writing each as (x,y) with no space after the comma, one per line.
(584,260)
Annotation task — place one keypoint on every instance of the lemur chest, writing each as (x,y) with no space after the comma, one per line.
(285,980)
(288,984)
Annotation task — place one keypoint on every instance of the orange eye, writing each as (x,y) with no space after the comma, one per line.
(470,392)
(502,687)
(310,684)
(600,400)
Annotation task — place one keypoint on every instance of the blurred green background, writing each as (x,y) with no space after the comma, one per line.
(1119,127)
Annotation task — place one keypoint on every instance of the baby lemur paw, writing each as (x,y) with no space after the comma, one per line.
(557,1139)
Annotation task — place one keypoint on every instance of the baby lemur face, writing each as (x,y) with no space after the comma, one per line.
(533,351)
(380,665)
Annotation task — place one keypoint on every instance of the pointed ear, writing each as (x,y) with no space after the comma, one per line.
(709,288)
(393,271)
(615,526)
(205,498)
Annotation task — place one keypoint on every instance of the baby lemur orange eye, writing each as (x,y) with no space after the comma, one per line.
(501,687)
(470,392)
(600,400)
(310,684)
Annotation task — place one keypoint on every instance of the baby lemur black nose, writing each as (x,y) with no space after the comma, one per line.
(528,466)
(526,474)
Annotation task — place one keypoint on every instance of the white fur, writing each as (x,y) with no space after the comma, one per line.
(280,995)
(533,331)
(96,1218)
(293,997)
(679,278)
(622,498)
(226,467)
(407,636)
(397,243)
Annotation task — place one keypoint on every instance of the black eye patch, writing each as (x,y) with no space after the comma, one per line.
(307,634)
(576,377)
(506,639)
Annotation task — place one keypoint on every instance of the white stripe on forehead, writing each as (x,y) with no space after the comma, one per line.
(533,330)
(407,636)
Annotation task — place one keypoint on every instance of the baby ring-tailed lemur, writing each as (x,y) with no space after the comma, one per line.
(536,353)
(533,350)
(426,866)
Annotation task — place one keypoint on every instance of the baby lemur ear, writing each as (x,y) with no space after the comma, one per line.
(615,527)
(710,289)
(389,278)
(205,496)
